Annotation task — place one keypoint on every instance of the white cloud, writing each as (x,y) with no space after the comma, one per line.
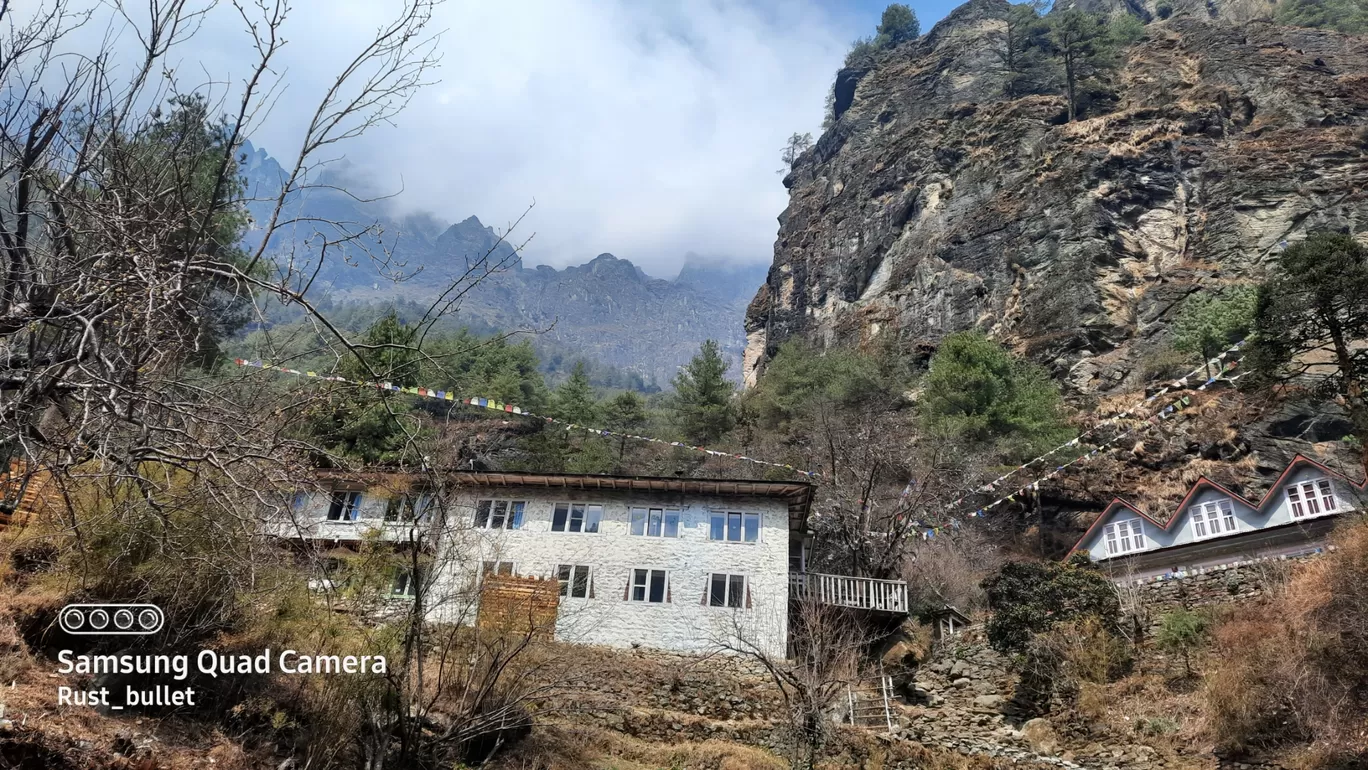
(644,129)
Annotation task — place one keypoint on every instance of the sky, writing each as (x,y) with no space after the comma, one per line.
(644,129)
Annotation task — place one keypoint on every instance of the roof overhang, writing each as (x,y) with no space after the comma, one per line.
(796,494)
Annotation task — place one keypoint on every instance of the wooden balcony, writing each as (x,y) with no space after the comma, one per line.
(854,592)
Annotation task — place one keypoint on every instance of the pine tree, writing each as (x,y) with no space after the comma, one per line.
(703,396)
(625,414)
(1081,42)
(1311,325)
(1020,51)
(898,24)
(574,398)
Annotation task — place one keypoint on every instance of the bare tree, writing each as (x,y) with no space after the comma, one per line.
(827,659)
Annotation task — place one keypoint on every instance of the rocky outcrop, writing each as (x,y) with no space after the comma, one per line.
(934,204)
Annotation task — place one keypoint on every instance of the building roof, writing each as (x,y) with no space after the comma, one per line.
(1205,483)
(797,494)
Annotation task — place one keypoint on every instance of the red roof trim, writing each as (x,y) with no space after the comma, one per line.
(1296,461)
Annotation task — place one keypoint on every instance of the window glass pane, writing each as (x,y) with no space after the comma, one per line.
(335,504)
(482,514)
(1327,495)
(392,508)
(580,589)
(736,590)
(717,591)
(638,521)
(717,525)
(752,527)
(657,585)
(515,518)
(563,575)
(1309,497)
(487,567)
(639,585)
(558,517)
(734,527)
(496,519)
(576,518)
(592,515)
(505,568)
(1139,538)
(672,524)
(653,528)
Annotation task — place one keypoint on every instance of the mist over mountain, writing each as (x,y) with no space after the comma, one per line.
(606,309)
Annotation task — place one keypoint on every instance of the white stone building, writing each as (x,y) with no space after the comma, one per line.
(667,563)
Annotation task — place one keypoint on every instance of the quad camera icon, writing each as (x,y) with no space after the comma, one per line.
(125,619)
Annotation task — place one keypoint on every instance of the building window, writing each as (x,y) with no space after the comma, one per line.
(648,585)
(1124,537)
(499,514)
(409,507)
(504,568)
(574,581)
(405,583)
(734,527)
(1212,519)
(576,517)
(1312,498)
(655,522)
(299,501)
(726,590)
(344,506)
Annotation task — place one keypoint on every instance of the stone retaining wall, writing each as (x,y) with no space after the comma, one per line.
(1240,582)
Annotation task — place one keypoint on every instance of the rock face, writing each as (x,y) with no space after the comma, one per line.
(934,204)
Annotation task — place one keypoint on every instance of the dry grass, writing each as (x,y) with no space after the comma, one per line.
(1293,673)
(578,747)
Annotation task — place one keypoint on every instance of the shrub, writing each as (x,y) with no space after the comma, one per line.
(1181,632)
(1210,323)
(1030,598)
(1163,9)
(979,392)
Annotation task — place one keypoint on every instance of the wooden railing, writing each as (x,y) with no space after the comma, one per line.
(857,592)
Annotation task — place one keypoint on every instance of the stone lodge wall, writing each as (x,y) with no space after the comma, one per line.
(1246,581)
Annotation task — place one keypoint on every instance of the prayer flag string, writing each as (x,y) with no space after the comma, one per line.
(506,408)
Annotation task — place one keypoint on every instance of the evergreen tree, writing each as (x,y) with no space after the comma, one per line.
(1021,49)
(898,24)
(980,393)
(1211,323)
(388,351)
(1350,16)
(703,395)
(1081,42)
(575,400)
(1311,325)
(797,145)
(625,414)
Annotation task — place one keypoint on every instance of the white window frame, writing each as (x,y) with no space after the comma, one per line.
(351,508)
(741,519)
(586,516)
(568,574)
(1213,518)
(641,525)
(1112,537)
(649,574)
(1321,501)
(508,521)
(733,595)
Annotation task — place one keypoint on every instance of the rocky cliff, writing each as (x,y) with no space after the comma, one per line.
(934,204)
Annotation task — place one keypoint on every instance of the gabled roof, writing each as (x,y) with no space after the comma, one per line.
(1205,483)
